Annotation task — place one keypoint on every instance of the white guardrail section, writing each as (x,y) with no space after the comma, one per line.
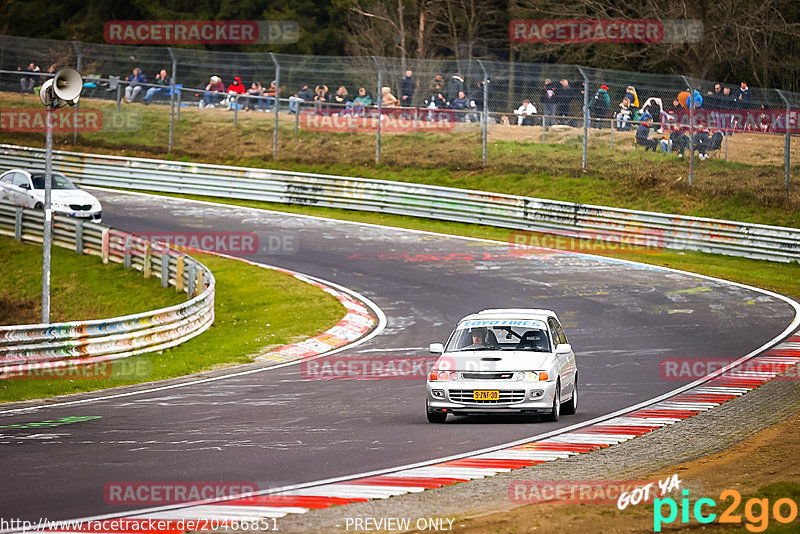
(507,211)
(25,348)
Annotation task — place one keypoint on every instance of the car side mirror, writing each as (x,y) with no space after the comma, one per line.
(564,348)
(25,186)
(436,348)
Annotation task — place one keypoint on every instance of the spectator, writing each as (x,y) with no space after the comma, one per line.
(461,102)
(564,97)
(677,141)
(162,79)
(729,102)
(321,95)
(643,133)
(744,98)
(548,101)
(361,101)
(437,80)
(477,95)
(702,140)
(655,108)
(254,100)
(599,107)
(633,98)
(438,100)
(341,98)
(214,92)
(272,94)
(714,100)
(388,100)
(26,83)
(685,99)
(407,88)
(454,85)
(237,87)
(525,113)
(624,114)
(133,89)
(305,94)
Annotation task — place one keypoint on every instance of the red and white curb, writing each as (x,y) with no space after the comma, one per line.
(722,386)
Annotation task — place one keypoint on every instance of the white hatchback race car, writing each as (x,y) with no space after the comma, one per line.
(504,361)
(26,188)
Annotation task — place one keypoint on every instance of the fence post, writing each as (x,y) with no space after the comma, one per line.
(691,128)
(485,112)
(235,108)
(178,104)
(297,111)
(379,98)
(171,98)
(78,104)
(148,253)
(277,105)
(126,258)
(787,142)
(611,142)
(119,93)
(544,126)
(105,244)
(585,118)
(79,236)
(179,272)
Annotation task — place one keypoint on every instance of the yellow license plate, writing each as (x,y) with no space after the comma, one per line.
(485,395)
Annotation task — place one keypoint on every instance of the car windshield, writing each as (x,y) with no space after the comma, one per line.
(527,337)
(59,182)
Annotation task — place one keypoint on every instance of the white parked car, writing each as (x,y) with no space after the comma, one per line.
(26,188)
(504,361)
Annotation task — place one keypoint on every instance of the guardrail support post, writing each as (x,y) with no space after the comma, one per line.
(585,118)
(79,237)
(166,254)
(277,105)
(126,255)
(18,224)
(190,278)
(179,272)
(105,238)
(148,252)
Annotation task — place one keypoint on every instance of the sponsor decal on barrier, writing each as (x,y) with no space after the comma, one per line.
(126,493)
(367,368)
(391,121)
(139,32)
(690,369)
(637,241)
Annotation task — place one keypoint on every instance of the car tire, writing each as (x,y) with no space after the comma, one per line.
(435,417)
(571,407)
(38,206)
(555,413)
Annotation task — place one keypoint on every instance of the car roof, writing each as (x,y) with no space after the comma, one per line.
(512,313)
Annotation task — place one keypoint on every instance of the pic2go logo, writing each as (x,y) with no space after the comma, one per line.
(756,511)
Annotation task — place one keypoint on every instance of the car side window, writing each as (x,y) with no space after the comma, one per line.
(6,179)
(20,180)
(562,338)
(553,332)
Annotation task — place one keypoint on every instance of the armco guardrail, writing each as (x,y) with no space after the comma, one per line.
(507,211)
(28,348)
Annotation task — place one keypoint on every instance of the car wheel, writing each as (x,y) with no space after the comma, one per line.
(38,206)
(570,407)
(555,413)
(435,417)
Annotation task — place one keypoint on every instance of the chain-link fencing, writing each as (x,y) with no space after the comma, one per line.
(379,101)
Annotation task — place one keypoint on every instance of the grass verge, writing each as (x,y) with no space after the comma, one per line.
(255,308)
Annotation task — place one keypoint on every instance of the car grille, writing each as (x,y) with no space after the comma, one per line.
(466,396)
(488,376)
(80,207)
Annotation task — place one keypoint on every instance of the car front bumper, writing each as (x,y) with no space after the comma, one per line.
(93,216)
(456,397)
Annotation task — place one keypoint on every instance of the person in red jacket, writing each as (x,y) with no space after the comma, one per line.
(236,88)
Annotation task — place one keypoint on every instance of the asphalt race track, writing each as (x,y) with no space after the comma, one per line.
(275,428)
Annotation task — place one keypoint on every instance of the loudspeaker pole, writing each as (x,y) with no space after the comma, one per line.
(48,217)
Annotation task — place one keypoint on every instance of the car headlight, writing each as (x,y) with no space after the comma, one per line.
(437,375)
(533,376)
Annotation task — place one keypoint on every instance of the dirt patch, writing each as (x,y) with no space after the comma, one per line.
(19,311)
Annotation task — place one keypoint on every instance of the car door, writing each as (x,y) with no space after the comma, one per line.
(6,191)
(566,362)
(18,187)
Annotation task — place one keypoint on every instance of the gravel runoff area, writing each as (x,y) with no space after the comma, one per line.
(706,433)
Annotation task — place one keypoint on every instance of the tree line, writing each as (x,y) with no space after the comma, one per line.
(742,39)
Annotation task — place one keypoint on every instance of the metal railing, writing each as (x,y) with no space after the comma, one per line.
(579,221)
(26,348)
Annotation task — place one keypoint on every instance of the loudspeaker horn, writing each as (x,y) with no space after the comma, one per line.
(64,88)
